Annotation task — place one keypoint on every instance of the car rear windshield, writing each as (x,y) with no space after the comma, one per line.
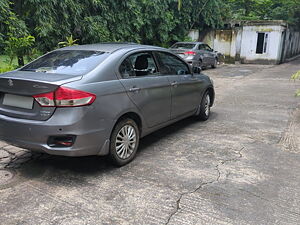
(71,62)
(183,46)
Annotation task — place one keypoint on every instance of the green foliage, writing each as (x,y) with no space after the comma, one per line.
(158,22)
(7,68)
(18,47)
(288,10)
(69,42)
(5,64)
(179,4)
(295,77)
(34,53)
(10,24)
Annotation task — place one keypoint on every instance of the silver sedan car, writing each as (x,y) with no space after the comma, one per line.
(196,53)
(99,99)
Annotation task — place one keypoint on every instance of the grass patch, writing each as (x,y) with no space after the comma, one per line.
(5,63)
(5,60)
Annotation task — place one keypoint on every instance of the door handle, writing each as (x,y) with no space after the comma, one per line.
(174,84)
(134,89)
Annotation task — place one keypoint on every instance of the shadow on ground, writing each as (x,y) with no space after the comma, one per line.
(77,169)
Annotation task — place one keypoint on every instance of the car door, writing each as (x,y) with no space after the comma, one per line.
(150,92)
(185,87)
(205,54)
(211,54)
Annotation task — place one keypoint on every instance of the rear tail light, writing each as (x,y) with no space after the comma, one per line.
(65,97)
(190,53)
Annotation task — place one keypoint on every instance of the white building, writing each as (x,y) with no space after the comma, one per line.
(263,42)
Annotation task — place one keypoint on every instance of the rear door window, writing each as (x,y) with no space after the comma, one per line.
(138,65)
(171,65)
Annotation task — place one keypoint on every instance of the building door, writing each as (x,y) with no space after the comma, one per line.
(262,43)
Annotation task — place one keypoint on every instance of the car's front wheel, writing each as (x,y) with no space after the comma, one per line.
(215,63)
(200,63)
(204,108)
(124,142)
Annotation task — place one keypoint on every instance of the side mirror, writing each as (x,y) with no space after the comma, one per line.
(197,69)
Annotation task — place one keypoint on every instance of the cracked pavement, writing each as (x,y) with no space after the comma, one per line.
(240,167)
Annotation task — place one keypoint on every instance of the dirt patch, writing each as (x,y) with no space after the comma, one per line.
(290,140)
(6,176)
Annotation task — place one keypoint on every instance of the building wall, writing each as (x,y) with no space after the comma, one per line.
(227,42)
(290,44)
(209,38)
(194,35)
(240,43)
(222,43)
(249,44)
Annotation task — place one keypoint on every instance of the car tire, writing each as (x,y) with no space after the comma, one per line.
(215,64)
(124,142)
(201,63)
(203,112)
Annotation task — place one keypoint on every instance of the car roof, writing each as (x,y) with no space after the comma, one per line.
(110,47)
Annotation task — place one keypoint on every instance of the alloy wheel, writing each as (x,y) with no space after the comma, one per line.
(207,105)
(125,141)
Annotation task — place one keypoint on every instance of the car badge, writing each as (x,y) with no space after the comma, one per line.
(10,82)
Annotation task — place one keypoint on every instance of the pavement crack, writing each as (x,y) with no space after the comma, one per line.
(191,192)
(240,155)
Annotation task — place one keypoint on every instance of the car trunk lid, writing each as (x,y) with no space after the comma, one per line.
(18,87)
(181,52)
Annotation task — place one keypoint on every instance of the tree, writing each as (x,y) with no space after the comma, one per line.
(19,47)
(10,24)
(288,10)
(156,22)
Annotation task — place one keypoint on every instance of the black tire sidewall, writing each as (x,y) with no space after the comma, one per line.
(215,64)
(112,149)
(200,63)
(202,115)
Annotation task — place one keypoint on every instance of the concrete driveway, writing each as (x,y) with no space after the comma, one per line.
(240,167)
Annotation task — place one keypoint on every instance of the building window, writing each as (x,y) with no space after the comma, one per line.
(262,42)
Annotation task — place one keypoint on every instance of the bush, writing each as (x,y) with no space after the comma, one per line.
(7,68)
(19,47)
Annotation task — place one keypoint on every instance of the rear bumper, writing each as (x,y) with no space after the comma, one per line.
(92,136)
(193,62)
